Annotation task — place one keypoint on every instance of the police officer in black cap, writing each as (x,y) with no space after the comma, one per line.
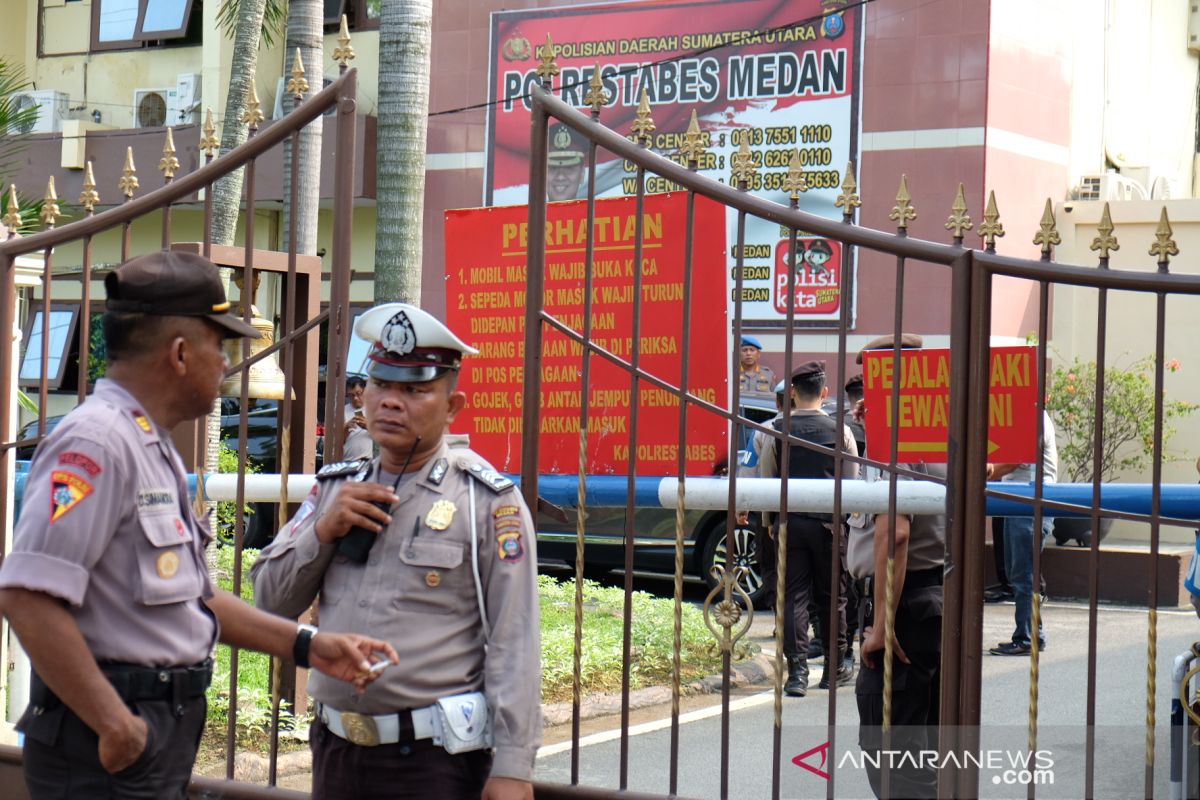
(811,536)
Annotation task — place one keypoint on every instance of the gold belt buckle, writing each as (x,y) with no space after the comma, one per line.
(360,729)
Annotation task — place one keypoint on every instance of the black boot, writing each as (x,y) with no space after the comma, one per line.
(845,673)
(797,680)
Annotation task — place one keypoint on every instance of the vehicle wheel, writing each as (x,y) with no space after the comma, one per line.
(744,555)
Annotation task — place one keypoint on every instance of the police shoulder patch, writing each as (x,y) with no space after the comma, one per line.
(341,469)
(488,476)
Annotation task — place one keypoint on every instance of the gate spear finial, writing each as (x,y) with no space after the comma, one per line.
(50,210)
(549,66)
(596,96)
(848,200)
(168,163)
(1105,242)
(794,183)
(1047,235)
(991,228)
(208,141)
(12,220)
(89,197)
(693,148)
(1164,246)
(128,183)
(959,220)
(643,126)
(903,211)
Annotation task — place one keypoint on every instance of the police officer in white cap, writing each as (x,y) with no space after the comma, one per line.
(428,548)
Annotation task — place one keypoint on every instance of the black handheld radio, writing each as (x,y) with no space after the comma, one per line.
(357,543)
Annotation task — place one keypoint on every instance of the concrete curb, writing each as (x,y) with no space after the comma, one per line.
(253,768)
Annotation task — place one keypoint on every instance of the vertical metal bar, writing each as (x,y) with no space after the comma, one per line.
(1094,552)
(973,472)
(635,359)
(956,491)
(8,300)
(535,282)
(677,608)
(1035,653)
(247,301)
(339,297)
(581,511)
(1155,510)
(784,445)
(85,317)
(47,291)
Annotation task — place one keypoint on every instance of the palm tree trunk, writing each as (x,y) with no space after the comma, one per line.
(227,192)
(404,44)
(305,31)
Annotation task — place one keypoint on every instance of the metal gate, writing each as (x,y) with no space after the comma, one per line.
(971,278)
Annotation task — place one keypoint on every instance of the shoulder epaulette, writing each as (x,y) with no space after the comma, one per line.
(488,477)
(341,469)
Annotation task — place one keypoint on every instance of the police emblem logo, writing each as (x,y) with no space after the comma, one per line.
(67,490)
(167,565)
(441,515)
(398,335)
(433,579)
(509,547)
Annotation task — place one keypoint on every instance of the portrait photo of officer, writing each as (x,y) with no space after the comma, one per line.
(107,586)
(427,547)
(564,162)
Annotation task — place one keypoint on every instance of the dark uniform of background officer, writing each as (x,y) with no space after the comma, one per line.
(919,559)
(107,585)
(458,630)
(811,537)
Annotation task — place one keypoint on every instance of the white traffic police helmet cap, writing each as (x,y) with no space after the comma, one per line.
(409,345)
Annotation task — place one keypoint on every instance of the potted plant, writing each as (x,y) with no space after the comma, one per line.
(1128,427)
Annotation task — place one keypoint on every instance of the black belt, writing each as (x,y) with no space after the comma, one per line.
(134,682)
(924,578)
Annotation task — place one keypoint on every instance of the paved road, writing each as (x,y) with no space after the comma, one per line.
(1121,715)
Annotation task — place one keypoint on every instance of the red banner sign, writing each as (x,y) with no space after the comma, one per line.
(485,300)
(923,415)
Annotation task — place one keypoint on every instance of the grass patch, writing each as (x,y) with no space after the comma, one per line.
(652,646)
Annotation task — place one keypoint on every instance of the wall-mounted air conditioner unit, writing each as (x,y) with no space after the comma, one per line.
(187,99)
(52,110)
(280,90)
(1109,186)
(153,108)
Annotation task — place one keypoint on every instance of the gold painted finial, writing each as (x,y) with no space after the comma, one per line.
(297,85)
(643,126)
(208,142)
(991,228)
(848,199)
(549,66)
(959,220)
(343,54)
(253,113)
(1164,246)
(596,96)
(89,197)
(742,164)
(794,183)
(903,211)
(1105,242)
(50,210)
(168,163)
(1047,235)
(128,183)
(12,220)
(693,147)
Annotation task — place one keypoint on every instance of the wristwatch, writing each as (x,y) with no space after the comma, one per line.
(304,637)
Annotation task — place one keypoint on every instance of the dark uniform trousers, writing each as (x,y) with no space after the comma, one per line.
(406,769)
(915,692)
(62,758)
(807,579)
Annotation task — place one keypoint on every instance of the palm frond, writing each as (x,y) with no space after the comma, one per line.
(273,24)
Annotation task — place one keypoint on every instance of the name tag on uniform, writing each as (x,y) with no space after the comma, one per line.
(155,498)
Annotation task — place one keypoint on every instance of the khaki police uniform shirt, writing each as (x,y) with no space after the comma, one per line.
(106,526)
(417,591)
(760,380)
(926,533)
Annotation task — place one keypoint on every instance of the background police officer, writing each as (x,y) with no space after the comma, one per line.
(919,558)
(811,536)
(107,585)
(449,575)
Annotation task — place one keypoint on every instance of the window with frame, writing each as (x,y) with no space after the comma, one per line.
(125,24)
(361,15)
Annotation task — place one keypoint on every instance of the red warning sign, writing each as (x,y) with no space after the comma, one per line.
(922,415)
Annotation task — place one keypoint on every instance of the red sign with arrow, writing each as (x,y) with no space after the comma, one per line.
(923,412)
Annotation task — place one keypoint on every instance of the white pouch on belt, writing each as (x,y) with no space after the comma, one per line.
(462,723)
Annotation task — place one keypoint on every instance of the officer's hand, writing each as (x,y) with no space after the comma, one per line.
(743,518)
(355,506)
(859,410)
(123,745)
(507,789)
(872,647)
(348,656)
